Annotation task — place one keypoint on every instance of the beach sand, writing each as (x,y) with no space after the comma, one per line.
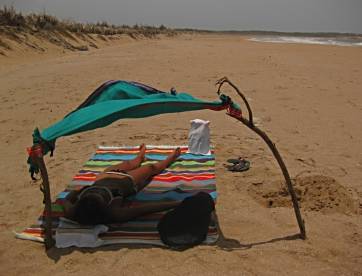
(306,97)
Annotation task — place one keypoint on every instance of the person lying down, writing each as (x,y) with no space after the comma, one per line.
(105,201)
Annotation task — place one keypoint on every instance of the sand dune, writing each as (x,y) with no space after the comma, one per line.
(306,97)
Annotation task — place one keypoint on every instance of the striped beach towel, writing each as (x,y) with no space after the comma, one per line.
(188,175)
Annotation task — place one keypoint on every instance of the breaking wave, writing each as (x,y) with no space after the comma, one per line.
(345,41)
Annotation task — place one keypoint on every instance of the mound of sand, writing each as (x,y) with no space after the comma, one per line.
(314,193)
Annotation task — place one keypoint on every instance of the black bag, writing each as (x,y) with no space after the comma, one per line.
(187,225)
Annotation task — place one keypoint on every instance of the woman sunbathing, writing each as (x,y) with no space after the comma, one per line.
(104,201)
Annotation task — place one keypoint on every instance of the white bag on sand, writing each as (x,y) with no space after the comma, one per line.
(199,137)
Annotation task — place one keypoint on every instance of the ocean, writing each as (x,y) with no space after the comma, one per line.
(338,41)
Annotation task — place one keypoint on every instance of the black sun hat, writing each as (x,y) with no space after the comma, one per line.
(187,225)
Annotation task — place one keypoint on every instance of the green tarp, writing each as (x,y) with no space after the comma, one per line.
(121,100)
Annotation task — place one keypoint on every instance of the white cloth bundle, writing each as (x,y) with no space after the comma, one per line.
(199,137)
(69,233)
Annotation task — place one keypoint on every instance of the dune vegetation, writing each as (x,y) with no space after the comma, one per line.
(19,28)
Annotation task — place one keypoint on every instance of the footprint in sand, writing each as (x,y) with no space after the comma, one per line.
(137,137)
(71,266)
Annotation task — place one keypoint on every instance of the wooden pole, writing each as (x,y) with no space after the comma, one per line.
(37,156)
(250,124)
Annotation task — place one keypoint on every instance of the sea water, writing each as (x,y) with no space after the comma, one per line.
(339,41)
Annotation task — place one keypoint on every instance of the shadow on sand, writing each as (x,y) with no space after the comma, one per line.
(223,243)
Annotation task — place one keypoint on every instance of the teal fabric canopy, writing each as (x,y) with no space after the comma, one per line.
(116,100)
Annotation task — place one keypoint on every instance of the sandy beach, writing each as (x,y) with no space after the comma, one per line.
(306,97)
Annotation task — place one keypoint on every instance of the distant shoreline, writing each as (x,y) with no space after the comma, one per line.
(333,40)
(274,33)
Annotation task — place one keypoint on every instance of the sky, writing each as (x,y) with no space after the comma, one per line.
(269,15)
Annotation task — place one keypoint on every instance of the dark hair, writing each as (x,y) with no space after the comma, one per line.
(91,209)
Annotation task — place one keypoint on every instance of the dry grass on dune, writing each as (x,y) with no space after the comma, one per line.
(16,27)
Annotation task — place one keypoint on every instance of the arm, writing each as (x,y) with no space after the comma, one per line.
(69,204)
(122,213)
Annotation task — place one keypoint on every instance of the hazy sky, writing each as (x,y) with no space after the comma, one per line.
(279,15)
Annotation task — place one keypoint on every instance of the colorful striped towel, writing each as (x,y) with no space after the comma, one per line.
(185,177)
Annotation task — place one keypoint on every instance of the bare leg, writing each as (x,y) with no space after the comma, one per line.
(130,164)
(142,174)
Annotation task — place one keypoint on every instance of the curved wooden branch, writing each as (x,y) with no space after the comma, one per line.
(45,188)
(271,145)
(223,80)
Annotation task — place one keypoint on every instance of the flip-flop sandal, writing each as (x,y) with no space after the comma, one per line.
(234,160)
(241,166)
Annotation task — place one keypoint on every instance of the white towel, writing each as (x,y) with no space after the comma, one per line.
(70,233)
(199,137)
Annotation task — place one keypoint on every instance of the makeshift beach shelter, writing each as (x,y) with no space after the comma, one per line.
(116,100)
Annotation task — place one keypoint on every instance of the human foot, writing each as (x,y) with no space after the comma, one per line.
(176,153)
(142,152)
